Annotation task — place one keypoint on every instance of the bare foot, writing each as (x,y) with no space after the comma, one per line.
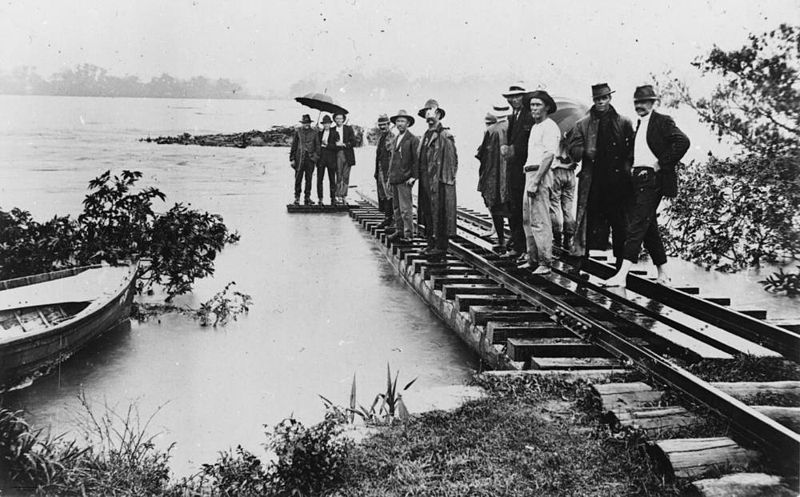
(615,281)
(664,280)
(542,270)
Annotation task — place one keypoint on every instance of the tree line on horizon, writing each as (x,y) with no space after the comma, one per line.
(88,80)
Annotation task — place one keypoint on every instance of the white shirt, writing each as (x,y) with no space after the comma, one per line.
(399,139)
(340,130)
(325,134)
(545,138)
(642,155)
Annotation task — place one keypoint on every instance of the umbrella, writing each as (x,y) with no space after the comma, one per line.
(321,102)
(569,111)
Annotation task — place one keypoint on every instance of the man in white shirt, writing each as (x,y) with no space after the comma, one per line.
(543,144)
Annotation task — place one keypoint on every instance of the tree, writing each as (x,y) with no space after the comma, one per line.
(743,210)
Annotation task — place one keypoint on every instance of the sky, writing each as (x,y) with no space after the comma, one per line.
(268,45)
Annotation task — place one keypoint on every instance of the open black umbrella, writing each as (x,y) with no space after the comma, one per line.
(321,102)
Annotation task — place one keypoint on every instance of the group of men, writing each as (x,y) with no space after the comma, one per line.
(528,175)
(329,149)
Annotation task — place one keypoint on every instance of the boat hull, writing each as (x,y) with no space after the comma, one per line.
(29,356)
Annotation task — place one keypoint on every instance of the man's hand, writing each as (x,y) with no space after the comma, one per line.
(291,163)
(410,181)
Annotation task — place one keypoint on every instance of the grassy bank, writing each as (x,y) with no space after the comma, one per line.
(528,437)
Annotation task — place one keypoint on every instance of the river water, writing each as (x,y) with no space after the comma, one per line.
(327,304)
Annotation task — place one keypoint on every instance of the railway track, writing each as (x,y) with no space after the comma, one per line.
(564,321)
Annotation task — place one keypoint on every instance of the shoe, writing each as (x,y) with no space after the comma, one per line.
(526,265)
(523,257)
(297,201)
(393,237)
(308,201)
(382,224)
(499,248)
(319,202)
(511,254)
(542,270)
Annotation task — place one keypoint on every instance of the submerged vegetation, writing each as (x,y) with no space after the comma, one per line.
(118,224)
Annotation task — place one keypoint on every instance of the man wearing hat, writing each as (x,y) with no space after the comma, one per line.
(603,142)
(327,159)
(492,181)
(403,172)
(383,154)
(515,152)
(438,165)
(659,145)
(345,157)
(303,156)
(543,144)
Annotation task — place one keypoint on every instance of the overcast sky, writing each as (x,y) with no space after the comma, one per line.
(270,44)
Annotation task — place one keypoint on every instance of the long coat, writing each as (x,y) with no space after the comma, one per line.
(383,155)
(492,182)
(669,144)
(304,141)
(583,147)
(442,166)
(404,161)
(519,130)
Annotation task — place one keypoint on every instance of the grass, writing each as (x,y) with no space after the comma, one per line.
(529,437)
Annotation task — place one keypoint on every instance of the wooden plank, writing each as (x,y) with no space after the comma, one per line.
(439,281)
(787,416)
(693,457)
(743,390)
(317,209)
(452,273)
(754,313)
(444,268)
(719,300)
(480,315)
(464,302)
(743,485)
(568,363)
(500,331)
(552,347)
(655,420)
(593,375)
(615,388)
(691,290)
(451,290)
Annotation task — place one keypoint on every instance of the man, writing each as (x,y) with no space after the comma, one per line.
(562,197)
(327,159)
(403,172)
(516,153)
(438,165)
(543,144)
(603,142)
(658,148)
(303,157)
(492,181)
(383,154)
(345,157)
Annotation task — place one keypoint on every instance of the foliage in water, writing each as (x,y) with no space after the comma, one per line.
(118,223)
(782,282)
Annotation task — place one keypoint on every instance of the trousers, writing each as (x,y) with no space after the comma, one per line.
(562,200)
(642,217)
(327,162)
(342,174)
(403,210)
(303,170)
(536,218)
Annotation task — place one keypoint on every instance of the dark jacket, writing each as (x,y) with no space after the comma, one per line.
(383,154)
(582,146)
(304,141)
(519,130)
(333,137)
(404,163)
(492,182)
(669,144)
(441,158)
(349,140)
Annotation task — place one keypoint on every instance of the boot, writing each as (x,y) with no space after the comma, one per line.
(308,201)
(297,201)
(557,239)
(566,243)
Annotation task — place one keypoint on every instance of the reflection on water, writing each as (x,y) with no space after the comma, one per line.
(326,302)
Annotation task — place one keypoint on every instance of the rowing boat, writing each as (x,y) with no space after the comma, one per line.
(45,318)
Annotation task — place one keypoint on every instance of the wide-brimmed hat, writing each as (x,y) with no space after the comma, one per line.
(340,114)
(645,92)
(326,119)
(546,99)
(490,118)
(501,110)
(306,119)
(383,119)
(601,90)
(515,90)
(403,113)
(430,104)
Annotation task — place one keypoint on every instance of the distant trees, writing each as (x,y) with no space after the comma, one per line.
(88,80)
(741,211)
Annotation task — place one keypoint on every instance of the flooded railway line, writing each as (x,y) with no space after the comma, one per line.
(564,322)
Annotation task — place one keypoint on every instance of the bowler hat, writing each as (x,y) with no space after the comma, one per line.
(431,104)
(601,90)
(515,90)
(644,92)
(383,119)
(546,99)
(306,119)
(404,114)
(326,119)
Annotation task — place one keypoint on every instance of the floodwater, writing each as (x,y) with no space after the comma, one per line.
(327,305)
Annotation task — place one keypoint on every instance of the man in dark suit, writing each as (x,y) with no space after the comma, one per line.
(515,152)
(383,154)
(403,172)
(303,157)
(345,157)
(327,158)
(658,148)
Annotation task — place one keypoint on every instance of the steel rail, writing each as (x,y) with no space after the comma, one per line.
(783,341)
